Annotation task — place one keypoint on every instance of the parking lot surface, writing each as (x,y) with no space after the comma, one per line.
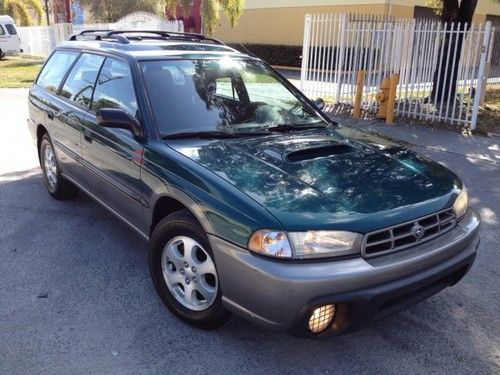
(76,295)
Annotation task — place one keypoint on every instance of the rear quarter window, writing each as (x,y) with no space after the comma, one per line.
(11,29)
(55,69)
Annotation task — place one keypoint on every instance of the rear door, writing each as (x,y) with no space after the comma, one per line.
(7,44)
(73,102)
(113,157)
(14,41)
(49,110)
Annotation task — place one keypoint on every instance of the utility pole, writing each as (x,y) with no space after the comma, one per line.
(67,11)
(47,12)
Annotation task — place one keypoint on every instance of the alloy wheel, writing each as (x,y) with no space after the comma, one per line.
(50,166)
(189,272)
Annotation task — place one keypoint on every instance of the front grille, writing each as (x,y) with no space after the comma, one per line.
(404,235)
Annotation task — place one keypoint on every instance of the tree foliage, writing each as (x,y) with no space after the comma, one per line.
(210,11)
(112,10)
(23,11)
(436,6)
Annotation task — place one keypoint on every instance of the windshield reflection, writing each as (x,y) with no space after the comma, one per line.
(225,94)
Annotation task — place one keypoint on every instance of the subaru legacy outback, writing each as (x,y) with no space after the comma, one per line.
(253,201)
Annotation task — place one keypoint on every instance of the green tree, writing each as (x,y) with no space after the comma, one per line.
(112,10)
(22,10)
(210,11)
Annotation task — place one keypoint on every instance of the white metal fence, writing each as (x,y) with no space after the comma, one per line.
(337,46)
(41,40)
(494,59)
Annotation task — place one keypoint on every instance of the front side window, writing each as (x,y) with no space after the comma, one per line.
(11,29)
(2,31)
(55,69)
(80,83)
(226,94)
(115,88)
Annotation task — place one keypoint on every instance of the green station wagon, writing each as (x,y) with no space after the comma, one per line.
(253,201)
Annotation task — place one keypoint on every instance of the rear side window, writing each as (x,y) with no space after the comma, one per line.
(54,70)
(11,29)
(81,80)
(2,31)
(115,88)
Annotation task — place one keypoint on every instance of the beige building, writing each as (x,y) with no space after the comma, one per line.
(282,21)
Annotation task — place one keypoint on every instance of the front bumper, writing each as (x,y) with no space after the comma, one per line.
(282,294)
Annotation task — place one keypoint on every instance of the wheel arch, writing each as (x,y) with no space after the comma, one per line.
(167,204)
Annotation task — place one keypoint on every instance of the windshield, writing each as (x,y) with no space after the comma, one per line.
(223,95)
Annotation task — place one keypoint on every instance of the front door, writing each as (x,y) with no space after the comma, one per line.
(113,157)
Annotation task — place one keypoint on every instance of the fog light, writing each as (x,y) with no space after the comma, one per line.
(321,318)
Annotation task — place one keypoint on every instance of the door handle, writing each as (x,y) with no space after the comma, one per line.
(87,135)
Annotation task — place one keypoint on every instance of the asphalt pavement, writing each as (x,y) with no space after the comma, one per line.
(76,295)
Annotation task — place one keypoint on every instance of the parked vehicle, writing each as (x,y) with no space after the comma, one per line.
(10,43)
(253,201)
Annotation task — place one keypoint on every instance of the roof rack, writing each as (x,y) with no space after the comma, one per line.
(117,35)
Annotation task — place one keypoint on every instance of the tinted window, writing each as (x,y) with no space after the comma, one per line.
(11,29)
(81,80)
(2,31)
(54,70)
(221,94)
(115,88)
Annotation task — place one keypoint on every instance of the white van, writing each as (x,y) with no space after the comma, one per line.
(10,43)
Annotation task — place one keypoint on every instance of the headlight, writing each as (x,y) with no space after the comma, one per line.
(311,244)
(272,243)
(461,203)
(320,244)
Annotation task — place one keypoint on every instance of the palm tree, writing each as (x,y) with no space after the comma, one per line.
(21,11)
(210,11)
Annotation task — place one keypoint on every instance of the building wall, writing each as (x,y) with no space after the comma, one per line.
(282,21)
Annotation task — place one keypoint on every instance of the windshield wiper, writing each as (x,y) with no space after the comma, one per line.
(298,126)
(212,134)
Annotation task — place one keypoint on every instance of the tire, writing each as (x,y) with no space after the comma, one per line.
(174,276)
(57,186)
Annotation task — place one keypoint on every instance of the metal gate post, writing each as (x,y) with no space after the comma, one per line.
(339,64)
(487,67)
(305,52)
(480,75)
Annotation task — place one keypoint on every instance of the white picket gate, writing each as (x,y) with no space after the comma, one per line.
(41,40)
(337,46)
(136,20)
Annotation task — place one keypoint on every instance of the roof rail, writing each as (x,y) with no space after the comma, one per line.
(143,34)
(100,35)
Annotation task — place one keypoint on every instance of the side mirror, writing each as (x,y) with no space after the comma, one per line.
(320,103)
(119,119)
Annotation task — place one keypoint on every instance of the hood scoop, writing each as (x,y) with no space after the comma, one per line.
(318,152)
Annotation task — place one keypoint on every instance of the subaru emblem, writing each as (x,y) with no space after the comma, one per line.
(418,231)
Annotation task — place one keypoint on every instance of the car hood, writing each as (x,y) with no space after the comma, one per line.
(329,178)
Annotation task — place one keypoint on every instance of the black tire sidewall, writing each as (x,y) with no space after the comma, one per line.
(43,144)
(170,227)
